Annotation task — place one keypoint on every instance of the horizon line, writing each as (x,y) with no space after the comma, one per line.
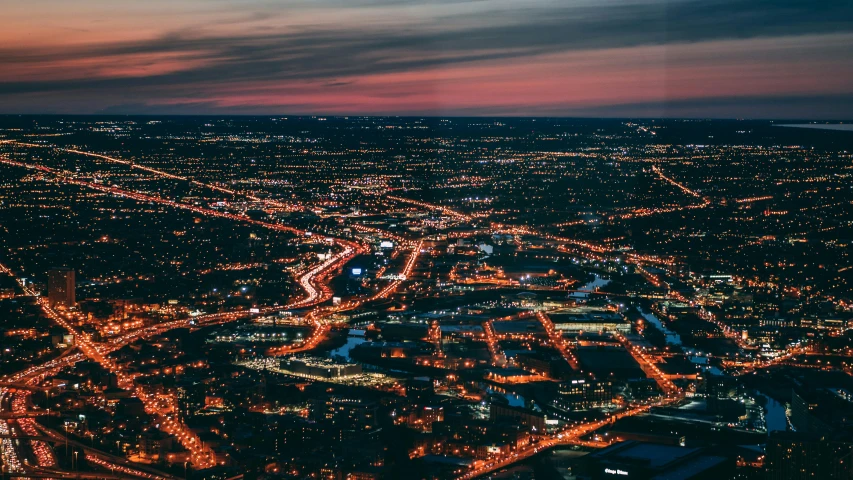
(406,116)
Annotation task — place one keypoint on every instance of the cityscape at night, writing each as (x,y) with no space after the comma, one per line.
(377,297)
(451,240)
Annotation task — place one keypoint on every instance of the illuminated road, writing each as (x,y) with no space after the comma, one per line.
(16,400)
(567,436)
(200,457)
(99,352)
(649,367)
(498,357)
(556,337)
(430,206)
(749,367)
(313,282)
(317,317)
(572,435)
(316,292)
(585,249)
(588,250)
(678,185)
(405,274)
(165,174)
(8,452)
(66,177)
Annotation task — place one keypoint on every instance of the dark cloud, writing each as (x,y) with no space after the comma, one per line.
(814,107)
(807,107)
(337,84)
(327,54)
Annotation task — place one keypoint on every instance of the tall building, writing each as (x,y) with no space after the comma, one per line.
(794,456)
(583,393)
(60,287)
(820,411)
(347,413)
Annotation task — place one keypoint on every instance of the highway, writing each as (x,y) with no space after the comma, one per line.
(567,436)
(573,434)
(589,250)
(317,317)
(430,206)
(17,401)
(314,282)
(165,174)
(314,293)
(201,457)
(678,185)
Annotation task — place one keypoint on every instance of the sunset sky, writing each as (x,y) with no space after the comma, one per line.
(649,58)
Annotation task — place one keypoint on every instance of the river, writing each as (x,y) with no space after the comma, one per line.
(672,338)
(354,338)
(598,282)
(775,417)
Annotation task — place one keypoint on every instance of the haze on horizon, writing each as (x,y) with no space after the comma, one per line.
(610,58)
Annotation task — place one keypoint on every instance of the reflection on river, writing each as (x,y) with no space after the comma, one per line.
(774,415)
(705,362)
(354,338)
(672,338)
(513,399)
(598,282)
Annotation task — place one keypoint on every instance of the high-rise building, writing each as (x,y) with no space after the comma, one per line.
(60,287)
(819,411)
(795,455)
(582,393)
(347,413)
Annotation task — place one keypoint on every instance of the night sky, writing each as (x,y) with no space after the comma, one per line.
(602,58)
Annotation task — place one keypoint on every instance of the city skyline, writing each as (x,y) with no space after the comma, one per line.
(384,298)
(722,59)
(446,240)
